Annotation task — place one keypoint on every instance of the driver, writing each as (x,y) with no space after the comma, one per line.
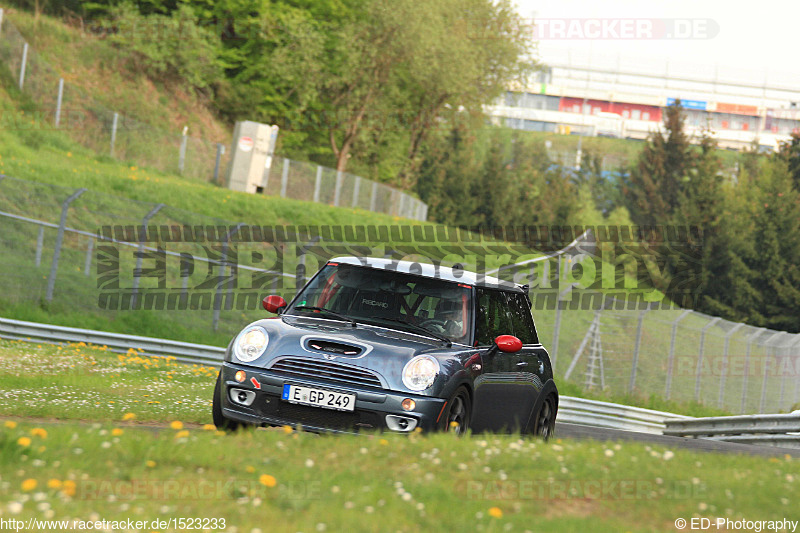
(449,313)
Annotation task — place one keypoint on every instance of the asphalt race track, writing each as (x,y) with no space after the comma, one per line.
(575,431)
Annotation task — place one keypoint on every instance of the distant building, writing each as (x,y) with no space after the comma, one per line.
(629,103)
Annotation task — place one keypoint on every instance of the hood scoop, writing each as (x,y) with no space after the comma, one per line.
(338,349)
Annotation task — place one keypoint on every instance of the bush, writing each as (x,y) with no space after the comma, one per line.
(167,46)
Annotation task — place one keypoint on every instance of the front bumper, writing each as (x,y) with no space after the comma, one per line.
(371,409)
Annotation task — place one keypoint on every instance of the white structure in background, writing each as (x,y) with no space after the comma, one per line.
(252,153)
(626,98)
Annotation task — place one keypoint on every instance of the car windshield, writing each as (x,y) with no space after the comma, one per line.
(387,297)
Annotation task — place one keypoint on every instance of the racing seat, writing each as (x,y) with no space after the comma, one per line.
(377,303)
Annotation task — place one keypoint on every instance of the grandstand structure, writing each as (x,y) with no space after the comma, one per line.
(627,98)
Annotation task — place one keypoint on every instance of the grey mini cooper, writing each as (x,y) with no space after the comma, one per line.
(376,344)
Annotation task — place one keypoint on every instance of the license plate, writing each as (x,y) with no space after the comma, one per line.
(319,398)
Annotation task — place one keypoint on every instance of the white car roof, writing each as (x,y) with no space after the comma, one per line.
(429,271)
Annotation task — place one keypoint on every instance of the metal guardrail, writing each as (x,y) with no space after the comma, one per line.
(116,342)
(614,416)
(571,410)
(775,430)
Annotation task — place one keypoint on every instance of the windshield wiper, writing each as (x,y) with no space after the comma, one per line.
(421,329)
(332,313)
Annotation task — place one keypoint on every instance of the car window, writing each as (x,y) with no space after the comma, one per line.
(381,296)
(521,318)
(493,318)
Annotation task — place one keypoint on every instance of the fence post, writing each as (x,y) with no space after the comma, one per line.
(762,402)
(220,153)
(671,360)
(300,269)
(356,191)
(374,196)
(114,132)
(338,190)
(750,341)
(87,267)
(187,268)
(222,265)
(285,177)
(636,350)
(796,381)
(557,325)
(318,183)
(730,334)
(137,272)
(58,101)
(182,151)
(39,244)
(51,280)
(22,66)
(786,349)
(699,369)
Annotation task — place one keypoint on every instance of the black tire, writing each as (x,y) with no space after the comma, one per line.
(545,421)
(459,411)
(222,423)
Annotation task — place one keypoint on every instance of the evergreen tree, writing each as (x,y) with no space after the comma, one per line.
(653,188)
(790,153)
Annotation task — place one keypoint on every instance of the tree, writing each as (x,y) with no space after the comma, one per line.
(789,152)
(654,185)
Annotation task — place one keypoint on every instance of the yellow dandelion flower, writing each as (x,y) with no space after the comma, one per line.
(267,480)
(116,432)
(182,434)
(287,429)
(28,485)
(209,427)
(39,432)
(54,484)
(150,464)
(176,425)
(68,487)
(10,424)
(128,416)
(24,441)
(495,512)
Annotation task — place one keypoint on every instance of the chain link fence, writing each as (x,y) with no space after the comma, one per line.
(106,132)
(76,251)
(682,355)
(79,251)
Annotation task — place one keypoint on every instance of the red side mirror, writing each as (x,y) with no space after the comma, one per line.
(508,343)
(274,303)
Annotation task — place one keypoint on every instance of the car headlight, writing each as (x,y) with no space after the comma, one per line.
(250,344)
(420,372)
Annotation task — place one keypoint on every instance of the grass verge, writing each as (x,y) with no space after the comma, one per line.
(275,481)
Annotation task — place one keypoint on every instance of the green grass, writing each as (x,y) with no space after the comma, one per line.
(95,384)
(300,482)
(96,75)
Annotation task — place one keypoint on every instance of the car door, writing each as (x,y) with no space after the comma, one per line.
(497,392)
(531,363)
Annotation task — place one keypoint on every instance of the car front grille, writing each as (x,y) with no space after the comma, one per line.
(317,417)
(329,371)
